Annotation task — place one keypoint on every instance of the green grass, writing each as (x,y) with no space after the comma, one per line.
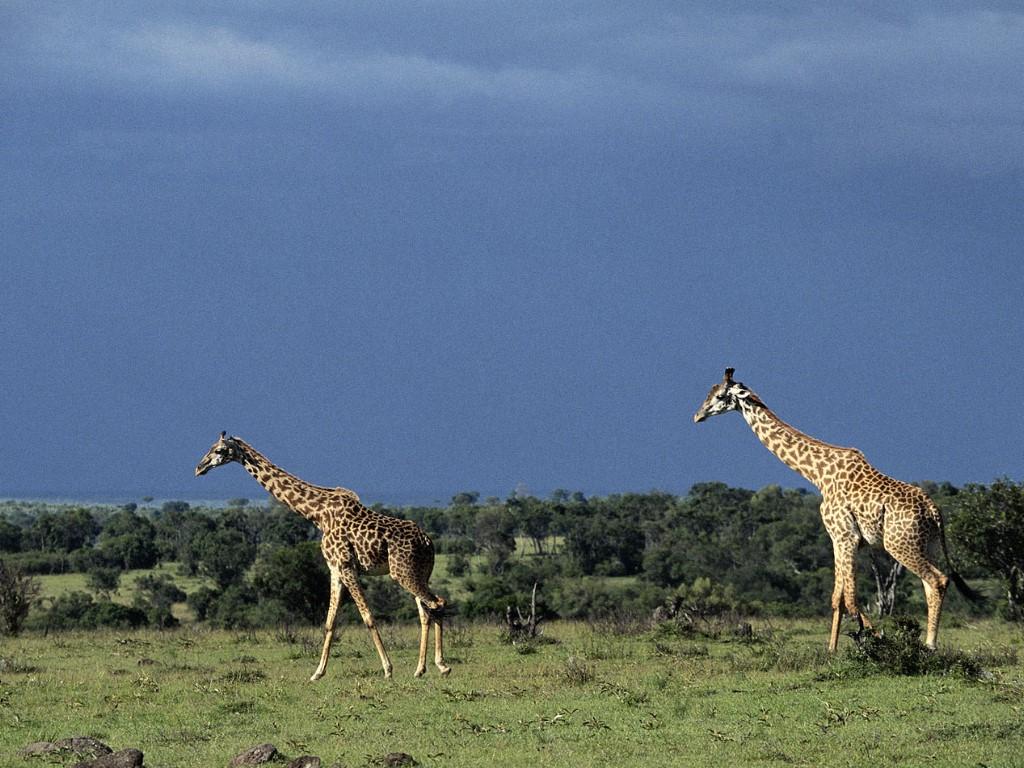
(597,695)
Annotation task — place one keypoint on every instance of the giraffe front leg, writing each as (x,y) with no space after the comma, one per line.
(332,613)
(351,583)
(844,591)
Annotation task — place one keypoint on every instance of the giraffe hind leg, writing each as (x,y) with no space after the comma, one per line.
(935,583)
(439,661)
(431,609)
(421,664)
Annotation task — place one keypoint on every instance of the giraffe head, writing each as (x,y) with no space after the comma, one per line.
(725,396)
(225,450)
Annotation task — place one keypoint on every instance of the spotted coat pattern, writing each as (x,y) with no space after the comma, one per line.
(859,503)
(355,540)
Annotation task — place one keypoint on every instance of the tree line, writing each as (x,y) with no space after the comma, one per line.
(717,548)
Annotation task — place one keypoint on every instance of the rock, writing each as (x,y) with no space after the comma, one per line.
(305,761)
(398,760)
(258,755)
(125,758)
(38,748)
(81,746)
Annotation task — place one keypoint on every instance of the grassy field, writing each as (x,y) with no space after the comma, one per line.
(592,695)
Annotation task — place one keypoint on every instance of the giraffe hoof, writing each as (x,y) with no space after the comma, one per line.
(315,676)
(445,671)
(420,672)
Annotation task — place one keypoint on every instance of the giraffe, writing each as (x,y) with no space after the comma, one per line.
(355,539)
(858,503)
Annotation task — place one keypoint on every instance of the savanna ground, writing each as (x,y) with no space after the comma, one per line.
(591,695)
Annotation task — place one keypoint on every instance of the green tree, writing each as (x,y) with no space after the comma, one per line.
(465,498)
(278,526)
(179,536)
(534,518)
(128,540)
(225,555)
(989,527)
(10,536)
(103,580)
(494,531)
(297,577)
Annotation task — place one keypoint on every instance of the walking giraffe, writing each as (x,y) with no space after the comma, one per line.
(857,503)
(354,539)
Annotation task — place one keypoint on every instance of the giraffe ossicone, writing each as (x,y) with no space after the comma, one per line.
(355,539)
(858,503)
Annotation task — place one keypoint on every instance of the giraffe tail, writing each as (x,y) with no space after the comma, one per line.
(436,605)
(965,589)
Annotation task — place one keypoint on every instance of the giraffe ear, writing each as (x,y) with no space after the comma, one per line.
(728,375)
(223,434)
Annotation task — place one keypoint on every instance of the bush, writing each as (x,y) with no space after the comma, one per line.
(458,564)
(296,577)
(18,591)
(594,599)
(454,545)
(226,555)
(897,650)
(154,596)
(39,563)
(103,580)
(233,608)
(77,610)
(702,607)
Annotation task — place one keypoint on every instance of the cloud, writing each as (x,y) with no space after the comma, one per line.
(842,85)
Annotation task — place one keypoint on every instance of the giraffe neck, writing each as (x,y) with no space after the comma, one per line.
(802,453)
(296,494)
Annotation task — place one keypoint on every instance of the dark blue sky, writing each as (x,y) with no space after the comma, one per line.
(416,248)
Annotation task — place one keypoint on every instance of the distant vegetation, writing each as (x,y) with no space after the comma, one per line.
(717,549)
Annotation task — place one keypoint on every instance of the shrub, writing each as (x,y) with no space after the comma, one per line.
(18,591)
(154,596)
(102,580)
(77,610)
(297,578)
(897,650)
(594,599)
(38,563)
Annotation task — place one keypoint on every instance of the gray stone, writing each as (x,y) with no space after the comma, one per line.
(305,761)
(398,760)
(125,758)
(258,755)
(81,746)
